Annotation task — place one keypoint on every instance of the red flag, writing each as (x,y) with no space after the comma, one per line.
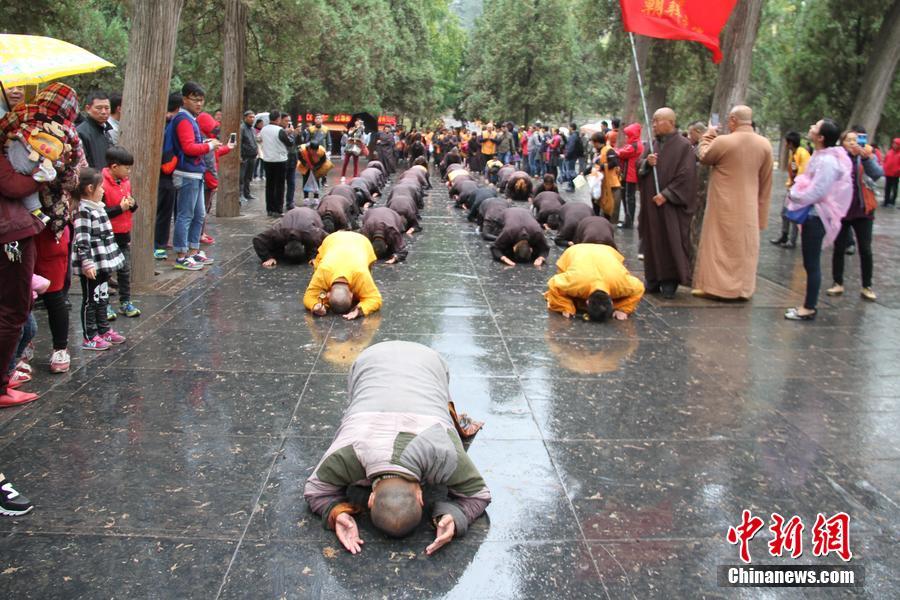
(693,20)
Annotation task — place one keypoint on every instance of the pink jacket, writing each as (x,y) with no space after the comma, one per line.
(826,184)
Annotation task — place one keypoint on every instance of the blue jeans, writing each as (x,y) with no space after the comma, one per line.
(190,213)
(812,234)
(534,161)
(568,169)
(28,332)
(505,157)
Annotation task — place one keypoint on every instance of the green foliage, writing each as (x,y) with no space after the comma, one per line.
(521,59)
(520,63)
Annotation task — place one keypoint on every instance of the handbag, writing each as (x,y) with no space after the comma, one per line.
(869,199)
(799,215)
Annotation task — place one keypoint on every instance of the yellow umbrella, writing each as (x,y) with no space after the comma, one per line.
(32,59)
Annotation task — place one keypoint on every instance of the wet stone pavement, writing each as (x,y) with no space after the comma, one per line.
(618,455)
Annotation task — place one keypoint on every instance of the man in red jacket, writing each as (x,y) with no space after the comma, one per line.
(188,146)
(629,154)
(892,173)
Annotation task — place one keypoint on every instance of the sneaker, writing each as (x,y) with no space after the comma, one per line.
(18,378)
(343,180)
(160,254)
(187,264)
(207,239)
(129,310)
(202,259)
(868,294)
(12,503)
(96,343)
(24,366)
(16,398)
(59,361)
(835,290)
(111,313)
(113,337)
(28,354)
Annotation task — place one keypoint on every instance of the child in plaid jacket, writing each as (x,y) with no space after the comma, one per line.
(95,256)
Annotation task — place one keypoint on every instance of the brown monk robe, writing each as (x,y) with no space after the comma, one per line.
(337,213)
(737,208)
(384,228)
(570,215)
(503,176)
(519,188)
(595,230)
(520,227)
(665,218)
(546,206)
(405,206)
(490,217)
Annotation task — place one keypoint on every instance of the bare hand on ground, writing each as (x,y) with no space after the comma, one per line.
(347,533)
(269,263)
(353,314)
(445,530)
(618,315)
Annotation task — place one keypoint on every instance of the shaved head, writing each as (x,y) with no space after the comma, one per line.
(396,506)
(742,114)
(340,298)
(663,121)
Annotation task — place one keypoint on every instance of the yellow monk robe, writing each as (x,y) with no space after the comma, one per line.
(348,255)
(587,268)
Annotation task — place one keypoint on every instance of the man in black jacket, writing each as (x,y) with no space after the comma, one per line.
(94,130)
(249,153)
(574,151)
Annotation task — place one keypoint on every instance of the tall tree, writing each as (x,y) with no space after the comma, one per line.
(151,54)
(632,100)
(520,63)
(875,86)
(233,60)
(737,50)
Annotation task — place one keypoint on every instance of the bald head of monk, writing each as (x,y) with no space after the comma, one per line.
(395,505)
(663,121)
(340,298)
(739,116)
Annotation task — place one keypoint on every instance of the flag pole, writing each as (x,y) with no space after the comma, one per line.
(637,69)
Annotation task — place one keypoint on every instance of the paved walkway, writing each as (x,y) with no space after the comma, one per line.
(618,454)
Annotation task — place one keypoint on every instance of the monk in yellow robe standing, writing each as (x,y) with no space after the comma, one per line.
(342,281)
(737,208)
(593,277)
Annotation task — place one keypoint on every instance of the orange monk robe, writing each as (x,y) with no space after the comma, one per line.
(737,209)
(587,268)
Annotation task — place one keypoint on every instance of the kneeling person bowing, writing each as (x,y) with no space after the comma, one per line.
(593,277)
(342,281)
(400,431)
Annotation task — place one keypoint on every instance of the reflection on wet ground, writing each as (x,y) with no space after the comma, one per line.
(618,455)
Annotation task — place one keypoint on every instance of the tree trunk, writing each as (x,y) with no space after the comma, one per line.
(228,202)
(631,111)
(151,54)
(737,49)
(879,74)
(658,74)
